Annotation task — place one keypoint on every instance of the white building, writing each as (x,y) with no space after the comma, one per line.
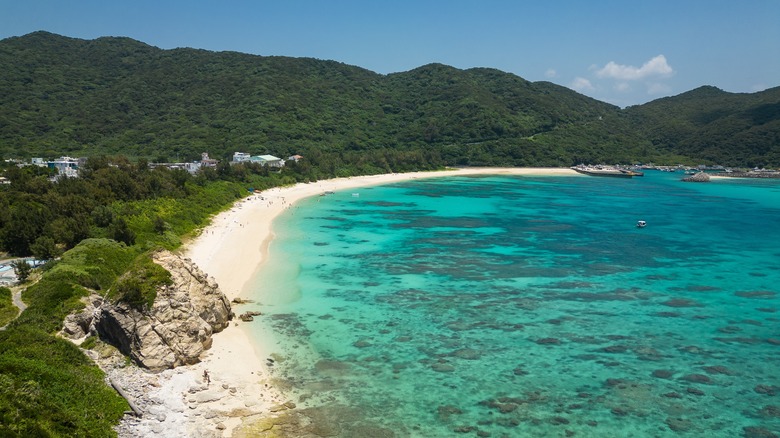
(265,160)
(66,166)
(268,160)
(240,157)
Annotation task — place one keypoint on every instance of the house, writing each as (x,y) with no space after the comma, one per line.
(66,166)
(205,161)
(295,158)
(68,172)
(241,157)
(195,166)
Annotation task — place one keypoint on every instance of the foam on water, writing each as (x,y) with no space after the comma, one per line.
(532,306)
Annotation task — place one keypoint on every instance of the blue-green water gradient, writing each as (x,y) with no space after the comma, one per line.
(532,306)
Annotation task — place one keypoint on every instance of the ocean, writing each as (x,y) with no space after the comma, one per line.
(529,306)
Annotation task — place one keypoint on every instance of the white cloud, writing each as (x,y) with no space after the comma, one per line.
(622,87)
(551,73)
(582,84)
(656,67)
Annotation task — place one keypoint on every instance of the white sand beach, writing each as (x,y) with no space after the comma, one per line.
(231,249)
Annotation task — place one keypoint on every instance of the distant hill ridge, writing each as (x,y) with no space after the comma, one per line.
(115,95)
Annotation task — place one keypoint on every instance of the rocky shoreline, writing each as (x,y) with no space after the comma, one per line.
(182,402)
(155,358)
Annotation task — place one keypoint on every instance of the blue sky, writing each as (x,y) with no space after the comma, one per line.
(623,52)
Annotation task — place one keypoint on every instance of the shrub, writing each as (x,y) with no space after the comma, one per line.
(122,233)
(89,343)
(48,387)
(7,309)
(138,286)
(93,264)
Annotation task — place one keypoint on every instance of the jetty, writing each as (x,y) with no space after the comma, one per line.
(606,171)
(773,174)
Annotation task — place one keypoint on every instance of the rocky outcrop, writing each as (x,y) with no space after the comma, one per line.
(699,177)
(174,331)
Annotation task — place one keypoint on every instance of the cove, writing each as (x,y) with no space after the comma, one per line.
(529,306)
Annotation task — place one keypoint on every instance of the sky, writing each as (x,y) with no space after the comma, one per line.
(623,52)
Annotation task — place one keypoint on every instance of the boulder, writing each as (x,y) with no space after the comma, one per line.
(78,325)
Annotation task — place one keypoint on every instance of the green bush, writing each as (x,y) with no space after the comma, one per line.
(89,343)
(138,286)
(7,309)
(93,264)
(48,387)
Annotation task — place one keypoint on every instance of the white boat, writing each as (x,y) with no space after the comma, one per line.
(641,224)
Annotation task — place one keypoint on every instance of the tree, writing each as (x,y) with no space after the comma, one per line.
(160,226)
(45,248)
(69,231)
(22,269)
(122,233)
(26,222)
(102,216)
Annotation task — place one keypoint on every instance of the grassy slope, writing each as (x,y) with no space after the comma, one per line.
(7,309)
(48,387)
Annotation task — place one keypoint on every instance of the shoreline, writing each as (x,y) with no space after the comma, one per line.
(231,249)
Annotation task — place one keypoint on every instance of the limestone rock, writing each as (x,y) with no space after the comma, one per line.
(174,331)
(203,292)
(78,325)
(699,177)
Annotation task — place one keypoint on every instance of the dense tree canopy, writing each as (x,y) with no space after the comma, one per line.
(64,96)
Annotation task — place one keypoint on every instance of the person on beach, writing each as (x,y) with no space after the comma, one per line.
(206,377)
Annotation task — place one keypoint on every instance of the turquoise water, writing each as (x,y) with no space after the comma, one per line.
(531,306)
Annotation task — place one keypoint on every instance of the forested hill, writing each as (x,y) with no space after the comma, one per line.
(714,125)
(65,96)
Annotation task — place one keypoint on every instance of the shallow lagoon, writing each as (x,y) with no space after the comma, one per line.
(531,306)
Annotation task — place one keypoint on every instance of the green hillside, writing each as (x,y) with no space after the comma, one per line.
(715,126)
(61,95)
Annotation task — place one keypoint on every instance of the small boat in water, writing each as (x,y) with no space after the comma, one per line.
(641,224)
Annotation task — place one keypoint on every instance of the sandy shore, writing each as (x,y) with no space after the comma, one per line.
(231,249)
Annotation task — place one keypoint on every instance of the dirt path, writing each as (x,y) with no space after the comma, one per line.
(17,298)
